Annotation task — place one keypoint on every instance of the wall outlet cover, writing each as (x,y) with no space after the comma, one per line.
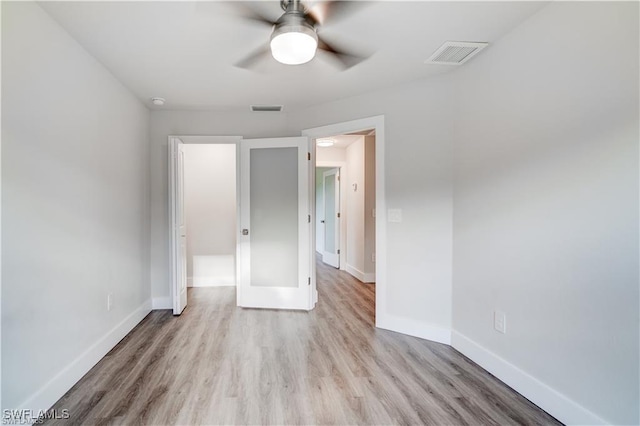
(500,322)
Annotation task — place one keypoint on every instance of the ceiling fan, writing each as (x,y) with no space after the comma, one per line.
(294,37)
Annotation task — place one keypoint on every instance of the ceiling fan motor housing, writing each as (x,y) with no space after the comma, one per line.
(294,40)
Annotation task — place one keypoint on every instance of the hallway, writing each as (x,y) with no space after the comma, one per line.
(219,364)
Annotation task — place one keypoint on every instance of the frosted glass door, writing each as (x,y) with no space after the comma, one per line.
(274,217)
(274,269)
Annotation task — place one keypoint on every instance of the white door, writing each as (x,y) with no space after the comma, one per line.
(331,197)
(178,226)
(275,226)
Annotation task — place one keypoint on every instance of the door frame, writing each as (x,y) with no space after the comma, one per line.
(203,140)
(377,123)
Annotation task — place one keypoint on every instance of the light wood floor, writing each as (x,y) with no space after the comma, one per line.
(219,364)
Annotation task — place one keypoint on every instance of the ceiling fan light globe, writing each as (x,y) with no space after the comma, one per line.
(294,45)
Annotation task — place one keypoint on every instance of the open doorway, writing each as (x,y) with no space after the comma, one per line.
(210,213)
(203,189)
(365,126)
(345,194)
(272,227)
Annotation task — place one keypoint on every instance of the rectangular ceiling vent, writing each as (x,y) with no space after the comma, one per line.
(455,52)
(266,108)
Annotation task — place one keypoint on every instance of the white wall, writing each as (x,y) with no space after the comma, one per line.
(210,207)
(355,208)
(360,160)
(331,154)
(74,209)
(369,207)
(546,210)
(418,157)
(164,123)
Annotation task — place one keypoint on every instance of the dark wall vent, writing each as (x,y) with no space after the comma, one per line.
(266,108)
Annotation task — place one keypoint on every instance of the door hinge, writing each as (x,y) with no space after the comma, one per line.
(338,251)
(309,281)
(309,156)
(338,214)
(338,178)
(309,218)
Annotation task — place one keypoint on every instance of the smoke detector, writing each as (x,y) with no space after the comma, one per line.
(455,52)
(158,101)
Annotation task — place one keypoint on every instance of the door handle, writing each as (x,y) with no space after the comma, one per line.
(322,221)
(245,232)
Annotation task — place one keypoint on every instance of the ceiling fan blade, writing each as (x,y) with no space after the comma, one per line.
(260,53)
(251,14)
(334,10)
(346,59)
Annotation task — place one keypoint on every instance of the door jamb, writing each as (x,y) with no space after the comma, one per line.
(377,123)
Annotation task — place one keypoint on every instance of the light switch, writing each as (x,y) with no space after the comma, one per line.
(394,215)
(500,321)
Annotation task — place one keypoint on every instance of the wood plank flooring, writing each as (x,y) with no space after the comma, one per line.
(219,364)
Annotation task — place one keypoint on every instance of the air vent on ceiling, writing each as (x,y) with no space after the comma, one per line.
(266,108)
(455,52)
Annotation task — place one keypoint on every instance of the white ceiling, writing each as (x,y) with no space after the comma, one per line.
(185,51)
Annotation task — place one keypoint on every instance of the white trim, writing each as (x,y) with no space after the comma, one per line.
(54,389)
(364,277)
(377,123)
(161,303)
(544,396)
(355,272)
(413,328)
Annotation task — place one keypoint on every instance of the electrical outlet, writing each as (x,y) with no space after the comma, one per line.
(500,321)
(373,257)
(109,301)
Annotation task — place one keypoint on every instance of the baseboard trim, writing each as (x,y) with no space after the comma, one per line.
(54,389)
(413,328)
(365,278)
(161,303)
(553,402)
